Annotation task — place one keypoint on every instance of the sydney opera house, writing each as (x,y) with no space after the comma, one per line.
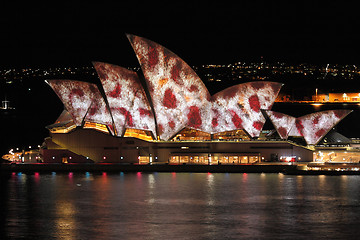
(166,115)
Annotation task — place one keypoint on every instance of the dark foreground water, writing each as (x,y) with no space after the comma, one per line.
(179,206)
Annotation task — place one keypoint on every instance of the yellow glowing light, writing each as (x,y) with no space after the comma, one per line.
(137,133)
(96,126)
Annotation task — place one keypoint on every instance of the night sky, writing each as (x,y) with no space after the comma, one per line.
(60,33)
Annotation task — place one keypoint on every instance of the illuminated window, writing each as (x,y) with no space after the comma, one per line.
(64,160)
(174,160)
(231,135)
(144,159)
(188,134)
(96,126)
(244,159)
(137,133)
(184,159)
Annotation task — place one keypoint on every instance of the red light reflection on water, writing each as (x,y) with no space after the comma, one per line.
(245,176)
(104,178)
(36,176)
(139,175)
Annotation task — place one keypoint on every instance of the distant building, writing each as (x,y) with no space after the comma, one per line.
(337,97)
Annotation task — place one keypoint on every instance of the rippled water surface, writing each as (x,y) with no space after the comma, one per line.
(179,206)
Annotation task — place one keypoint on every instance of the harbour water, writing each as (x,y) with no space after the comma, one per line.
(178,206)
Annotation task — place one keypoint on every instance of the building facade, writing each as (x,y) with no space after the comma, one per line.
(168,116)
(337,97)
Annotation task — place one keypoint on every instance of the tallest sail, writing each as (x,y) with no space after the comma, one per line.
(177,93)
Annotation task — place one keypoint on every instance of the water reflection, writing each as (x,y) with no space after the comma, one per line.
(178,205)
(210,189)
(65,221)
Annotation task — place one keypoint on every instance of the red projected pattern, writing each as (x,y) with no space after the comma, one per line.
(76,96)
(178,94)
(82,100)
(282,123)
(238,107)
(126,97)
(313,127)
(98,111)
(180,99)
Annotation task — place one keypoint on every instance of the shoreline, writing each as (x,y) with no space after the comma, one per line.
(285,168)
(109,167)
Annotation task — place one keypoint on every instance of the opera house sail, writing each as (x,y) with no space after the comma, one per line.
(168,113)
(126,97)
(313,127)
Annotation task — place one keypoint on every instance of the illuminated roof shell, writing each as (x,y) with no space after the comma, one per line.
(239,107)
(313,127)
(82,100)
(177,93)
(126,97)
(283,123)
(76,97)
(98,111)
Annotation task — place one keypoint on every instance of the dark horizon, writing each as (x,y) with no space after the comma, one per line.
(193,61)
(215,33)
